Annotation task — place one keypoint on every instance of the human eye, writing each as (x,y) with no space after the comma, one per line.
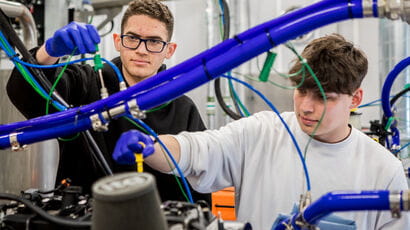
(155,42)
(332,96)
(132,38)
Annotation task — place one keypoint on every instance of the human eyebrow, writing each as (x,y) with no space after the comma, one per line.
(332,96)
(149,37)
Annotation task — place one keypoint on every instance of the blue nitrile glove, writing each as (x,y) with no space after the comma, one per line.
(129,143)
(76,34)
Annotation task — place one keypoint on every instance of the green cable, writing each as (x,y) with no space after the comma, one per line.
(58,80)
(27,77)
(159,107)
(276,84)
(69,139)
(302,69)
(389,123)
(304,63)
(163,152)
(23,71)
(237,99)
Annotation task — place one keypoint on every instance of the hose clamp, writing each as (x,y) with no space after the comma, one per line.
(97,123)
(367,8)
(395,9)
(135,111)
(15,145)
(406,200)
(394,200)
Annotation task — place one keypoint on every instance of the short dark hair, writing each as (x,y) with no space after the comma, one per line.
(339,66)
(152,8)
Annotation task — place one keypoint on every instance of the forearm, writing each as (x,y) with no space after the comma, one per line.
(43,58)
(159,160)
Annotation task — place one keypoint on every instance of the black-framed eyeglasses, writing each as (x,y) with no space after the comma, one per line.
(133,42)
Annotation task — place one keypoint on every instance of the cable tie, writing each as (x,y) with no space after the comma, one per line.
(14,56)
(238,39)
(270,38)
(208,75)
(77,114)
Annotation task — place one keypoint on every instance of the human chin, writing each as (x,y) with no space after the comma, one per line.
(142,72)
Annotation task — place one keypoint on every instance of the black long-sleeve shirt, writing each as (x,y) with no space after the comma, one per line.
(80,85)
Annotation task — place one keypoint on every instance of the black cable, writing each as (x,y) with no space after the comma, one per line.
(217,82)
(15,41)
(111,29)
(394,100)
(235,103)
(397,96)
(222,103)
(97,154)
(46,215)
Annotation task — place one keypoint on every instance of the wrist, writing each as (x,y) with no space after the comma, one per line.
(43,57)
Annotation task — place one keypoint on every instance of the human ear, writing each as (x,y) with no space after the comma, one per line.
(117,41)
(357,98)
(171,47)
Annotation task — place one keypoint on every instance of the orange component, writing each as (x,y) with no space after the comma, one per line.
(223,203)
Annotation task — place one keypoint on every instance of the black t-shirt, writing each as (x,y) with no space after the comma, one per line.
(80,85)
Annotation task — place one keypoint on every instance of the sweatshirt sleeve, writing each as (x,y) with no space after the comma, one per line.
(385,220)
(215,159)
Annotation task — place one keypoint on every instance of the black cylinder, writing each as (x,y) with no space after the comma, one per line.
(127,201)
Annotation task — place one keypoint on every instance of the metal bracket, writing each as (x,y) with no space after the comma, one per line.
(367,6)
(394,200)
(135,111)
(406,200)
(15,145)
(97,124)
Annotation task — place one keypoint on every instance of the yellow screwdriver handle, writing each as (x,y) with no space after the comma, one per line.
(139,159)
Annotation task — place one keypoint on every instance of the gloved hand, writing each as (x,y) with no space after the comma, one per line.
(76,34)
(129,143)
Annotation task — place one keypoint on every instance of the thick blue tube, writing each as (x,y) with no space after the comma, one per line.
(47,133)
(219,59)
(388,83)
(337,202)
(239,54)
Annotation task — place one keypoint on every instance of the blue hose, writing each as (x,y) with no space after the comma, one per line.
(340,202)
(204,67)
(387,86)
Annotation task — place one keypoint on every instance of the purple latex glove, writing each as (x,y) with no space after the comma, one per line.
(130,143)
(76,34)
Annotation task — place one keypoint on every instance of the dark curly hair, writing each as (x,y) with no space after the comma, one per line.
(152,8)
(339,66)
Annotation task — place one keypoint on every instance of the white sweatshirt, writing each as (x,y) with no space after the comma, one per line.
(257,156)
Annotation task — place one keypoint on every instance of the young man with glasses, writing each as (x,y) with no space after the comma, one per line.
(144,43)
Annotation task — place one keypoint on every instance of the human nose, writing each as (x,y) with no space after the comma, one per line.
(142,47)
(307,104)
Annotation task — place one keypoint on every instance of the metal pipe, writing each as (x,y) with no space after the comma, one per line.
(17,10)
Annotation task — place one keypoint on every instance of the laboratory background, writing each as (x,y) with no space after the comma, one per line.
(199,26)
